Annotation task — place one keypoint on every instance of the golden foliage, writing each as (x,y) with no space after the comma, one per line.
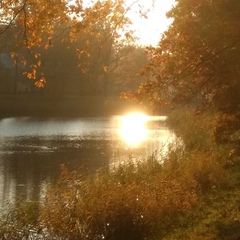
(34,24)
(197,60)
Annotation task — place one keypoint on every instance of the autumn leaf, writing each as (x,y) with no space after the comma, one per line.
(105,68)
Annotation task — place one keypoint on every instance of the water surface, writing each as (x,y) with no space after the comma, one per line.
(32,149)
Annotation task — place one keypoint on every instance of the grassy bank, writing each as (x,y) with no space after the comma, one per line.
(68,106)
(193,194)
(217,214)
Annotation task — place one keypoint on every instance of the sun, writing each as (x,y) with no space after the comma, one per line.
(150,29)
(133,129)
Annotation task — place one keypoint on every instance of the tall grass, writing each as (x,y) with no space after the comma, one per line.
(22,222)
(129,203)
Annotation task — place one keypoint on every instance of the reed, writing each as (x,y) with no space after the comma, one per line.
(128,203)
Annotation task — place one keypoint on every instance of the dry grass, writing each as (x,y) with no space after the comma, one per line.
(136,201)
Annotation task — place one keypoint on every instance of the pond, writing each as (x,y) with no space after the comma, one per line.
(33,149)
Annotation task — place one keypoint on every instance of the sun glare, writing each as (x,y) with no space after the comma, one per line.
(133,129)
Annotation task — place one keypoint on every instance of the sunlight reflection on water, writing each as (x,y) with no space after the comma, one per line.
(32,149)
(142,136)
(133,128)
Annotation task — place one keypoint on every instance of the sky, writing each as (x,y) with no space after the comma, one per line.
(149,30)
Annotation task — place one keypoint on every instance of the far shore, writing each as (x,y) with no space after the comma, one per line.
(69,106)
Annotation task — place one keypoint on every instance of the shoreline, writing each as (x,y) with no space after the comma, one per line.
(65,107)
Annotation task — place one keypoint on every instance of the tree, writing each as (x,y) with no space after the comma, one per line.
(35,23)
(197,60)
(130,60)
